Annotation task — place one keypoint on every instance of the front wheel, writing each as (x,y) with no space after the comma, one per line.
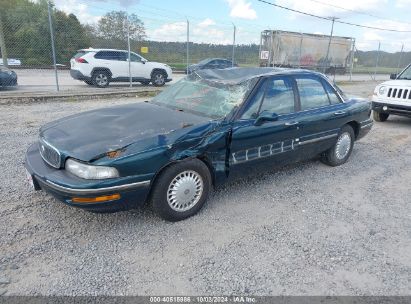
(181,190)
(158,78)
(378,116)
(342,149)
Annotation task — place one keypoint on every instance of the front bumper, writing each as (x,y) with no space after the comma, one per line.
(65,186)
(389,108)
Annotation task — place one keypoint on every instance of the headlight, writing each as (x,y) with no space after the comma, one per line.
(381,90)
(90,172)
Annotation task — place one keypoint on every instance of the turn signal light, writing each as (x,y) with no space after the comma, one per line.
(97,199)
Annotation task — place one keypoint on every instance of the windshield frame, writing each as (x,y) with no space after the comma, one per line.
(402,72)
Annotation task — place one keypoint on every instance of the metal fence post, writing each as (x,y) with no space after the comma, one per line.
(301,49)
(352,58)
(188,42)
(399,59)
(378,59)
(3,44)
(232,57)
(53,48)
(129,53)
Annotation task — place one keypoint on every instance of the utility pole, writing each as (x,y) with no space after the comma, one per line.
(53,48)
(329,42)
(377,60)
(188,42)
(232,57)
(129,53)
(399,59)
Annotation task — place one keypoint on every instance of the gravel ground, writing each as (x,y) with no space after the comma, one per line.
(306,229)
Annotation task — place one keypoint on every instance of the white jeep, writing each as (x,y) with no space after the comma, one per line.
(393,97)
(99,67)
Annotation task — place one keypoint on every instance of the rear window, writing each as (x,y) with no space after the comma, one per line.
(80,53)
(111,55)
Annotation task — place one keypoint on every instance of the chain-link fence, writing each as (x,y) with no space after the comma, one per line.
(38,41)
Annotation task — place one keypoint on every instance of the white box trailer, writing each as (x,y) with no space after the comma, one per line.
(304,50)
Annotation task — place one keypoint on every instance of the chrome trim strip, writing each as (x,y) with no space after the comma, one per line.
(318,139)
(98,190)
(368,125)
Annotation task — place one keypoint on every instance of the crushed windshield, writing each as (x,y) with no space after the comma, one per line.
(406,74)
(202,97)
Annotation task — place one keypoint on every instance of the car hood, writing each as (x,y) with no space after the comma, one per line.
(397,83)
(89,135)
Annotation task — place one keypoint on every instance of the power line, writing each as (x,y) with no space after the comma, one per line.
(327,18)
(357,12)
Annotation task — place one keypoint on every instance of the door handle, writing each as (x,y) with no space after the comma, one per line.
(339,113)
(291,123)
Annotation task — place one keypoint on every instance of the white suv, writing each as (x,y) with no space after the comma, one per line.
(393,97)
(99,67)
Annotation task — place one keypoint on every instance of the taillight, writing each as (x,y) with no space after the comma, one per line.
(81,60)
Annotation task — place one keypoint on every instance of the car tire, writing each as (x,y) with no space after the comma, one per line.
(341,151)
(101,79)
(89,82)
(145,83)
(378,116)
(181,190)
(158,78)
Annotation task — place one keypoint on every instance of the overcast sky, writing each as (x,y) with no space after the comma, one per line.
(211,20)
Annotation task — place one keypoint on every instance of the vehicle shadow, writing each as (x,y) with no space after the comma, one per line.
(395,120)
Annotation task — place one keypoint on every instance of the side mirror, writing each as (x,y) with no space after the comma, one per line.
(264,117)
(393,76)
(143,61)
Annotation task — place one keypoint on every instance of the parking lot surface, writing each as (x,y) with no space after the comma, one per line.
(306,229)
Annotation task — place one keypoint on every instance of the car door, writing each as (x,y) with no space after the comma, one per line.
(139,68)
(115,61)
(257,144)
(321,114)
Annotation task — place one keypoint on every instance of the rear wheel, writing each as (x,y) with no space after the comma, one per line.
(181,190)
(101,79)
(378,116)
(158,78)
(342,149)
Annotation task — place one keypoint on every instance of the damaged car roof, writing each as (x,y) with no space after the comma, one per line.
(239,75)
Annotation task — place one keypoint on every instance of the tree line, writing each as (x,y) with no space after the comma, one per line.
(25,35)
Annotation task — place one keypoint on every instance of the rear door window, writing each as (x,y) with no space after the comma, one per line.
(334,99)
(312,93)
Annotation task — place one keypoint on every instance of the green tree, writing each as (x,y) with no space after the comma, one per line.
(27,33)
(115,25)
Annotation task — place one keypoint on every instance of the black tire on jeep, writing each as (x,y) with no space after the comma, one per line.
(378,116)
